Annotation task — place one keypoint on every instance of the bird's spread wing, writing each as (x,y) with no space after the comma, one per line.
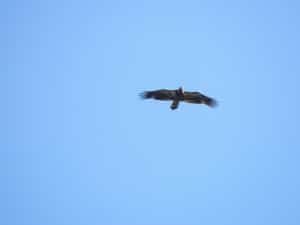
(162,94)
(198,98)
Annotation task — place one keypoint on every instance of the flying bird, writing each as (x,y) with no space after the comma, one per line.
(178,95)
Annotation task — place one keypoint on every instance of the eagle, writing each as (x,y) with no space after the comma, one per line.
(178,95)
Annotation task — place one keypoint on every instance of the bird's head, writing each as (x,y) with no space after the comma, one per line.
(179,93)
(180,90)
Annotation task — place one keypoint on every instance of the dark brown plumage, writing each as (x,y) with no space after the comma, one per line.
(179,95)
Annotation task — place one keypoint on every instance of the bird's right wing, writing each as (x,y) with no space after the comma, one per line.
(162,94)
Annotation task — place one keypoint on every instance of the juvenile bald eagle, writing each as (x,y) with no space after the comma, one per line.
(179,95)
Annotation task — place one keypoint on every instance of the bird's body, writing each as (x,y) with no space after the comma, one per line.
(177,96)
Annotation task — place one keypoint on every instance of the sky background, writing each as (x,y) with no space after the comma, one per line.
(79,147)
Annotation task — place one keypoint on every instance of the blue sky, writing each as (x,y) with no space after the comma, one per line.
(80,147)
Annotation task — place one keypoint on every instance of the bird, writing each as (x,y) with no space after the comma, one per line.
(179,95)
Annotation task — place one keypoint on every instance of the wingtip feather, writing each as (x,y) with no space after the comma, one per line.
(211,102)
(145,95)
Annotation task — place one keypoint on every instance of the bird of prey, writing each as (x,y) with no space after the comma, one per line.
(179,95)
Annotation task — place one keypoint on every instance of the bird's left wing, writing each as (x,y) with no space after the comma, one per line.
(198,98)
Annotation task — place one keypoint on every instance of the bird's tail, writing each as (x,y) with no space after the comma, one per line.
(146,94)
(210,102)
(174,104)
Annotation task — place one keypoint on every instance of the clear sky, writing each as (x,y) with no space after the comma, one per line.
(79,147)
